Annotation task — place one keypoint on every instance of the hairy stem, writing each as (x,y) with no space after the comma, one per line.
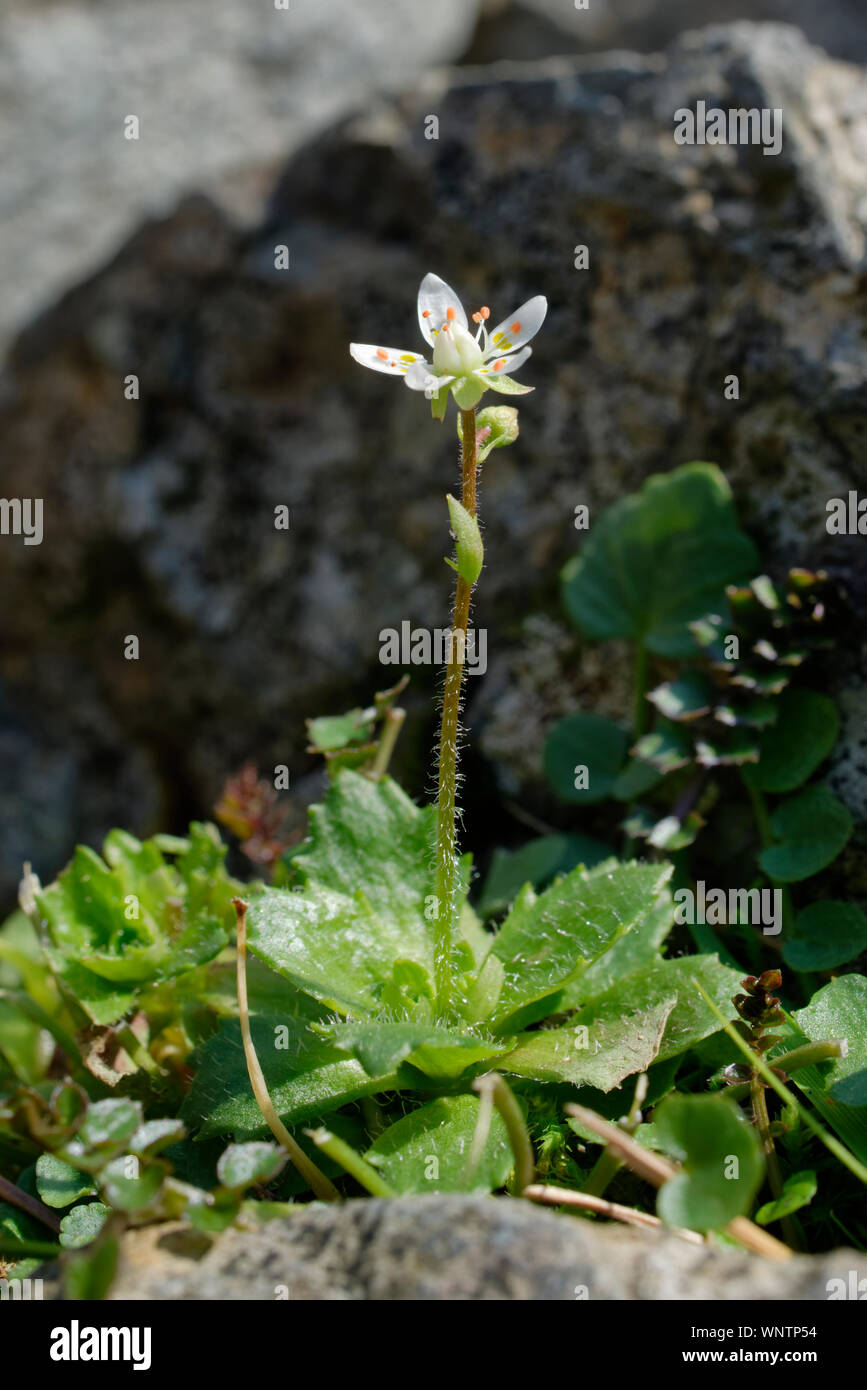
(446,856)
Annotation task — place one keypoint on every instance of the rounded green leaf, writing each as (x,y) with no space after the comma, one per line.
(827,934)
(722,1162)
(83,1224)
(129,1185)
(791,749)
(811,828)
(243,1165)
(579,742)
(110,1123)
(838,1010)
(658,560)
(59,1184)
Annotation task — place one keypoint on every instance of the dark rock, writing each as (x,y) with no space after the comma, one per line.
(540,28)
(705,261)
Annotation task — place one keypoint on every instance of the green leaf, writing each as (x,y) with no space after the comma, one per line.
(116,925)
(684,699)
(107,1128)
(735,750)
(427,1150)
(88,1275)
(584,741)
(154,1136)
(653,1014)
(23,1237)
(636,778)
(638,948)
(791,749)
(59,1184)
(335,731)
(826,934)
(619,1046)
(536,863)
(307,1076)
(334,947)
(130,1185)
(367,881)
(672,834)
(798,1191)
(468,541)
(839,1010)
(722,1162)
(382,1046)
(658,560)
(667,748)
(245,1165)
(547,941)
(812,829)
(83,1224)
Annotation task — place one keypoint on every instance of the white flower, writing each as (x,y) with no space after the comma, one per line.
(465,364)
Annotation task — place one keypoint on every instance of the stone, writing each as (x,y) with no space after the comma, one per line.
(218,87)
(159,513)
(449,1248)
(539,28)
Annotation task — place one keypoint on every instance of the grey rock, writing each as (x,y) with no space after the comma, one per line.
(218,86)
(455,1248)
(539,28)
(705,261)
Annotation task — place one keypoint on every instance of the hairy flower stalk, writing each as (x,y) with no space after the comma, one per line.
(446,850)
(463,365)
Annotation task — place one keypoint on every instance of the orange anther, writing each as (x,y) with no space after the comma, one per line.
(485,312)
(516,327)
(425,313)
(451,315)
(381,353)
(498,366)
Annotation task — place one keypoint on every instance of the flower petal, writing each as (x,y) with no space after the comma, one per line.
(421,377)
(392,361)
(435,300)
(509,364)
(520,327)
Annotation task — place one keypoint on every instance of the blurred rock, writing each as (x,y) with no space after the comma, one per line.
(217,85)
(159,514)
(540,28)
(454,1248)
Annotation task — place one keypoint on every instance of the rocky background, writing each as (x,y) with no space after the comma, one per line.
(307,128)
